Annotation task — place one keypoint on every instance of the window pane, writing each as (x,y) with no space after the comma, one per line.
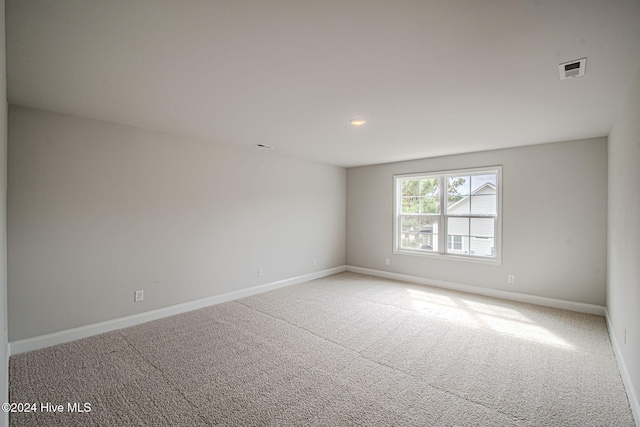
(411,205)
(410,187)
(458,235)
(484,204)
(482,246)
(410,224)
(428,242)
(429,224)
(458,227)
(429,232)
(430,204)
(483,194)
(430,187)
(481,182)
(482,227)
(460,207)
(410,241)
(419,232)
(458,190)
(458,186)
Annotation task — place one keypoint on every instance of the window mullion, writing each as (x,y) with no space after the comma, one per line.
(469,231)
(442,237)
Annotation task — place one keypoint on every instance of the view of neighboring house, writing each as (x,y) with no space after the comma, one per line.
(470,226)
(469,234)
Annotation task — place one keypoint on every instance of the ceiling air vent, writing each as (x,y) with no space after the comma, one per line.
(573,68)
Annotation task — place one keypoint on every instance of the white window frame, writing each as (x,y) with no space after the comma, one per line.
(443,252)
(454,242)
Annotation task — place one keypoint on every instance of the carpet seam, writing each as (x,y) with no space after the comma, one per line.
(162,374)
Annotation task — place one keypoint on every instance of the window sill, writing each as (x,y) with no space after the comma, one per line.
(449,257)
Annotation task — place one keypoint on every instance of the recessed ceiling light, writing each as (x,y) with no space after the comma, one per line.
(264,146)
(358,122)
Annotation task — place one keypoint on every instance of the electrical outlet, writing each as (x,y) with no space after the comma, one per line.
(138,296)
(260,272)
(387,261)
(315,262)
(511,278)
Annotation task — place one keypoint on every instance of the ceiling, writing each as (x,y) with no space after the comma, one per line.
(431,77)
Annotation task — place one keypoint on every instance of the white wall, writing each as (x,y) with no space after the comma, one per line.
(4,362)
(96,211)
(623,284)
(554,221)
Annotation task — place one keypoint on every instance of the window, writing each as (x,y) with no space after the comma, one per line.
(454,242)
(449,213)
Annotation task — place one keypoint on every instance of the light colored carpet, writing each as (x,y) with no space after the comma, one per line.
(344,350)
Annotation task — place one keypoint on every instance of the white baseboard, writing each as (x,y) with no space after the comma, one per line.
(4,421)
(513,296)
(35,343)
(634,400)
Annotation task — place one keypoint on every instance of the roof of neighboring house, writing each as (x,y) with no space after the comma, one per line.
(476,191)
